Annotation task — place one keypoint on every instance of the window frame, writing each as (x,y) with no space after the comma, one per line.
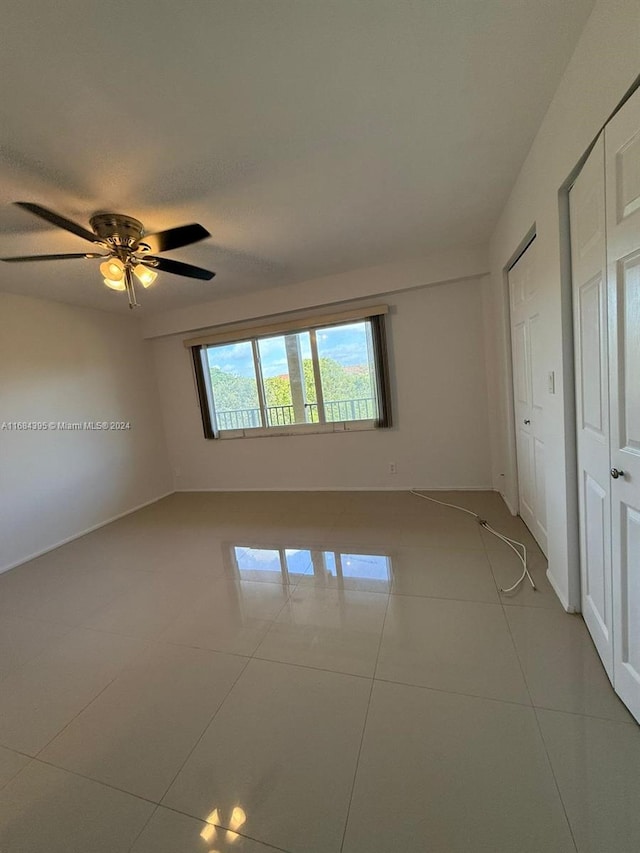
(381,376)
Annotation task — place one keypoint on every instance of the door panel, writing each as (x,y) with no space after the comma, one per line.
(630,592)
(593,344)
(627,165)
(540,484)
(530,281)
(622,159)
(529,390)
(588,258)
(525,472)
(521,364)
(597,569)
(629,347)
(538,385)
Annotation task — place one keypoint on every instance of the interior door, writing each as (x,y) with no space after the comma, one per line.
(589,269)
(528,392)
(622,157)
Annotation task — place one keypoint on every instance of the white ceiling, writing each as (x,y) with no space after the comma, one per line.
(308,136)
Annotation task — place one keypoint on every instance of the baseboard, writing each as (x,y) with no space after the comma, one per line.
(512,509)
(563,601)
(83,533)
(351,489)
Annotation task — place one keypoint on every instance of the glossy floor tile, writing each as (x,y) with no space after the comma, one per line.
(147,608)
(139,731)
(311,672)
(560,663)
(11,763)
(229,616)
(49,810)
(452,774)
(283,748)
(63,592)
(331,629)
(171,832)
(597,766)
(43,696)
(21,640)
(444,573)
(461,646)
(457,532)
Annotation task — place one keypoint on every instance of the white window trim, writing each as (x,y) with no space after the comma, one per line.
(299,429)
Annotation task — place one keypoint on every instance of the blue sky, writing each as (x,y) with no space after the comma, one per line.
(346,344)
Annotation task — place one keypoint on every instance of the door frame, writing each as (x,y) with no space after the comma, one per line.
(573,602)
(512,491)
(569,382)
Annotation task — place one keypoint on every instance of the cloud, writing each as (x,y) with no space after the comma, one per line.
(345,344)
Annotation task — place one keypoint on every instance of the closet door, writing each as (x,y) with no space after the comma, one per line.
(622,155)
(588,262)
(528,392)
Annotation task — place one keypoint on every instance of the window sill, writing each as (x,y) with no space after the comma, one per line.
(301,429)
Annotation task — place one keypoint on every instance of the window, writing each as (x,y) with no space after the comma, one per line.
(326,378)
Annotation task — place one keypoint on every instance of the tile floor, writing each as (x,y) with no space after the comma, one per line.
(307,673)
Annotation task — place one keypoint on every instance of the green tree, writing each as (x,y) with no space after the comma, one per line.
(233,392)
(277,391)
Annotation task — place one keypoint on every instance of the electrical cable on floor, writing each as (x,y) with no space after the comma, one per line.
(512,543)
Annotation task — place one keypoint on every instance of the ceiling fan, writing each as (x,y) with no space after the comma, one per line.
(129,251)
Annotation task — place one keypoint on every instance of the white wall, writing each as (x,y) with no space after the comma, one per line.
(440,437)
(435,268)
(604,65)
(61,363)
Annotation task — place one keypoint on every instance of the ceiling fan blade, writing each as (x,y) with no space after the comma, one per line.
(58,220)
(174,238)
(178,268)
(52,257)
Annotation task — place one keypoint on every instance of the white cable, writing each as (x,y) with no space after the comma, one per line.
(512,543)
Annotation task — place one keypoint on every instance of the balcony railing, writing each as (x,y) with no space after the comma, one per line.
(335,410)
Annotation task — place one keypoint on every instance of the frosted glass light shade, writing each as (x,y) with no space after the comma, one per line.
(115,285)
(112,269)
(145,276)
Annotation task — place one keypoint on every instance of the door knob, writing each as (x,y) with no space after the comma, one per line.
(615,473)
(526,421)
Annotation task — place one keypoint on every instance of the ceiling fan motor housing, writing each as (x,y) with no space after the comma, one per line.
(117,229)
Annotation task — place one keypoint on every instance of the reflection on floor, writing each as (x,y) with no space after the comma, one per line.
(308,673)
(289,565)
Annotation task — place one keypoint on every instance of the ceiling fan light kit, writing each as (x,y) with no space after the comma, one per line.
(145,276)
(127,248)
